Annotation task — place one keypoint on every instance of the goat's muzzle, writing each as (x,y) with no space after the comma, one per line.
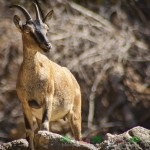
(46,47)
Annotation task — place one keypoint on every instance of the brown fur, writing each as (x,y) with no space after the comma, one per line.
(53,88)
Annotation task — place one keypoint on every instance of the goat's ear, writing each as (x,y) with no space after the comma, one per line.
(18,22)
(48,16)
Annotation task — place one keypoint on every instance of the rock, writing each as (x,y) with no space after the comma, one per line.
(45,140)
(20,144)
(137,138)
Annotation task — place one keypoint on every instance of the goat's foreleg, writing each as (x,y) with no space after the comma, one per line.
(47,113)
(28,124)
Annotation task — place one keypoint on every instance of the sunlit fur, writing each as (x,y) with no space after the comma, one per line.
(51,90)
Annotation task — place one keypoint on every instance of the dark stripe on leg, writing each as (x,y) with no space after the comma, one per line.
(45,117)
(27,123)
(27,138)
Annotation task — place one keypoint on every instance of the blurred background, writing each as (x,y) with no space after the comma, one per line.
(105,44)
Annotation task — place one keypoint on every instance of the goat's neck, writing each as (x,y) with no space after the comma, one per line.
(29,54)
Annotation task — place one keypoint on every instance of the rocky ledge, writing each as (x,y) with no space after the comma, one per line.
(137,138)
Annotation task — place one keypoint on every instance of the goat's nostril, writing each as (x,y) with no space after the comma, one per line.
(48,45)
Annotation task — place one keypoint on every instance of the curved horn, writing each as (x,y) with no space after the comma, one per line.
(25,12)
(37,12)
(40,9)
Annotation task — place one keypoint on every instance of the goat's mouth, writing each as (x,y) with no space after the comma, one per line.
(46,47)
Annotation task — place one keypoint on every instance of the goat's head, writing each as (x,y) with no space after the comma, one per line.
(36,30)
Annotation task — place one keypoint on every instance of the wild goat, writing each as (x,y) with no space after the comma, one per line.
(46,90)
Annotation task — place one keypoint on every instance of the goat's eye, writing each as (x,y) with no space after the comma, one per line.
(27,29)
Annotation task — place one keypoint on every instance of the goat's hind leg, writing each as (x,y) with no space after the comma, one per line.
(74,117)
